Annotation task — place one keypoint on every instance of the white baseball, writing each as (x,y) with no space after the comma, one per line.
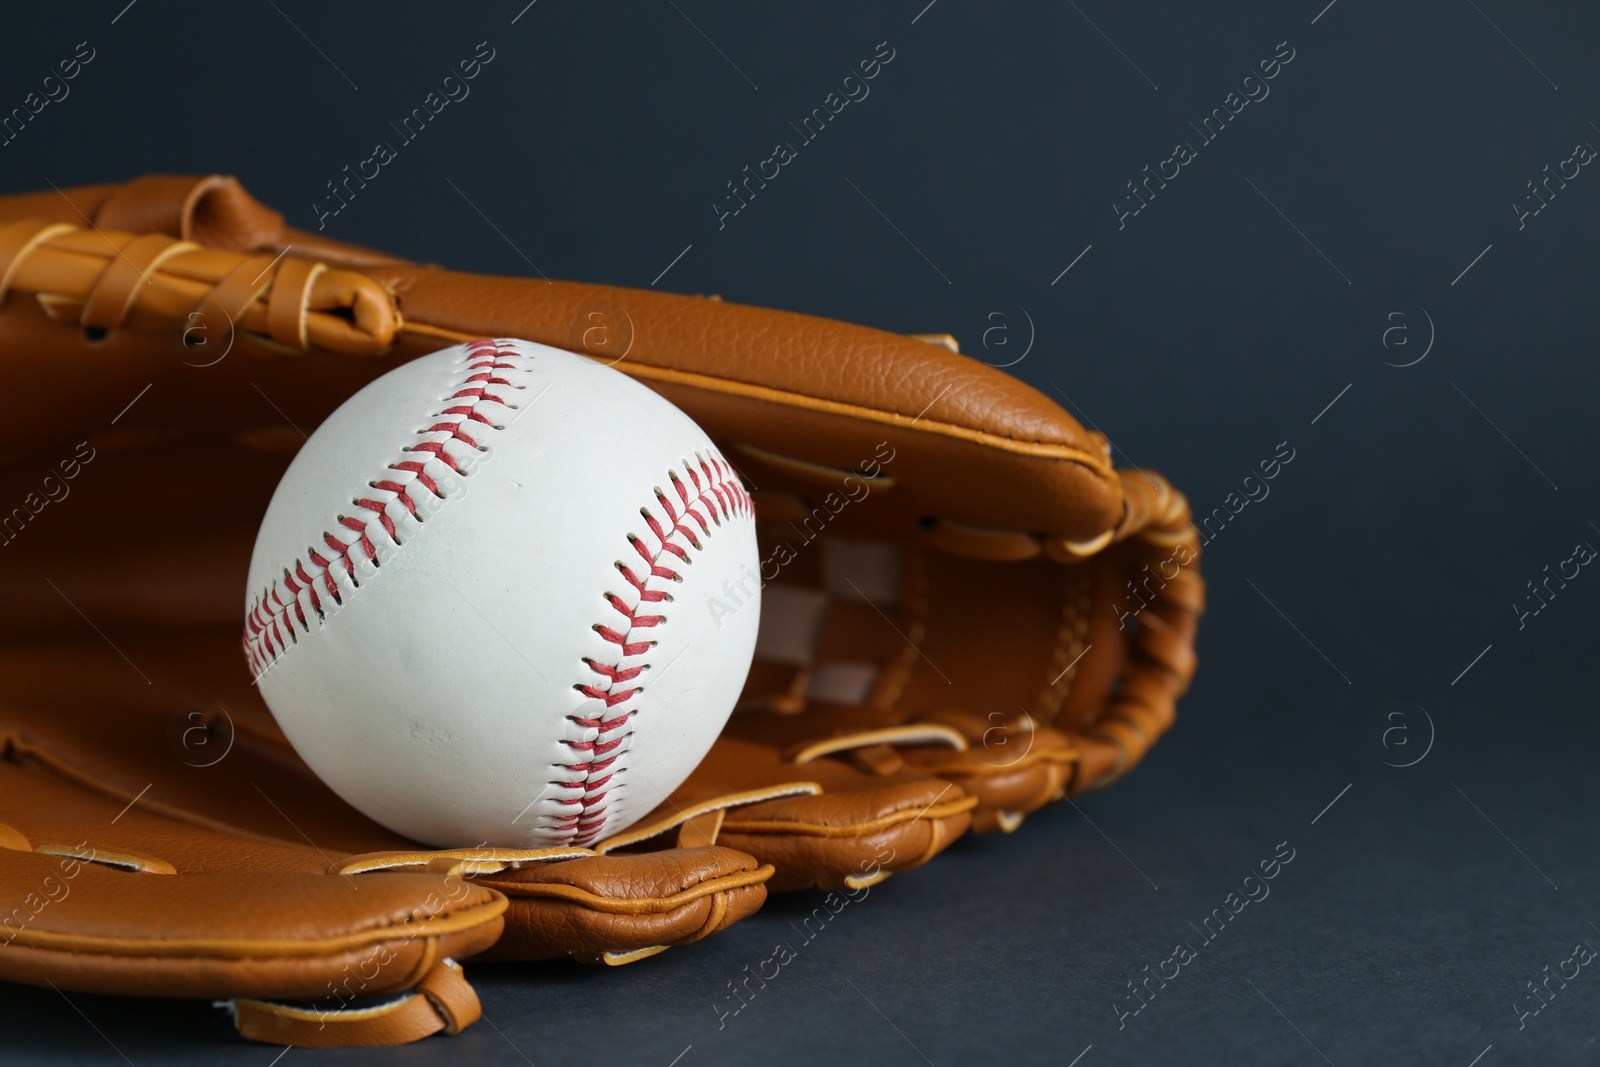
(478,603)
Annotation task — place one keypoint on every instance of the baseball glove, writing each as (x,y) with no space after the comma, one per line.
(966,613)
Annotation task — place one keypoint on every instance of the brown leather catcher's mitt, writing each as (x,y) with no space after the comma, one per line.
(966,613)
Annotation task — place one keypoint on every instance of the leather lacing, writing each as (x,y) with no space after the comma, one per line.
(1155,523)
(109,280)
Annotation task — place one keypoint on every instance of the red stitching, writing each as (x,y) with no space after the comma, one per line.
(276,611)
(717,494)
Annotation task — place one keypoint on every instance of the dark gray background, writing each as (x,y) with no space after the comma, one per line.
(1219,322)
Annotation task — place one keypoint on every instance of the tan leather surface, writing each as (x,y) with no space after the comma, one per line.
(1011,618)
(443,1002)
(85,735)
(88,781)
(218,935)
(615,905)
(754,375)
(829,822)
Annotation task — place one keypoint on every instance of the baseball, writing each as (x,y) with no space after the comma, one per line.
(477,600)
